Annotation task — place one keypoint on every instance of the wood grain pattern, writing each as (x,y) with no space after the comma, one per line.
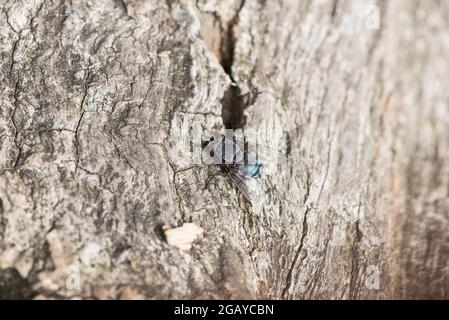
(97,96)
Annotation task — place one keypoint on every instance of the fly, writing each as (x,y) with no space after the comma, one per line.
(243,162)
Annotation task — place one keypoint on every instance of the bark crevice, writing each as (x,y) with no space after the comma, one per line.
(93,105)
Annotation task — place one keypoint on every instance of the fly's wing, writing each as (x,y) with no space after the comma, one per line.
(254,191)
(268,156)
(262,149)
(240,184)
(249,188)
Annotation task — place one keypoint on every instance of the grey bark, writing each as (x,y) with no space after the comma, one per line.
(93,94)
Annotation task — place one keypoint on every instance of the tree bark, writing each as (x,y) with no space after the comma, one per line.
(94,98)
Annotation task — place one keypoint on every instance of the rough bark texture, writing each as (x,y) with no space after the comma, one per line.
(94,93)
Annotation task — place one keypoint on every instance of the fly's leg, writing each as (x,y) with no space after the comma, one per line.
(240,184)
(209,179)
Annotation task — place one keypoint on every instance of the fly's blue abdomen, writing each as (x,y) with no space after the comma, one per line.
(250,170)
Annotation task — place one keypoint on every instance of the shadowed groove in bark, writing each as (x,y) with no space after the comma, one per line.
(233,106)
(233,103)
(297,254)
(13,286)
(147,75)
